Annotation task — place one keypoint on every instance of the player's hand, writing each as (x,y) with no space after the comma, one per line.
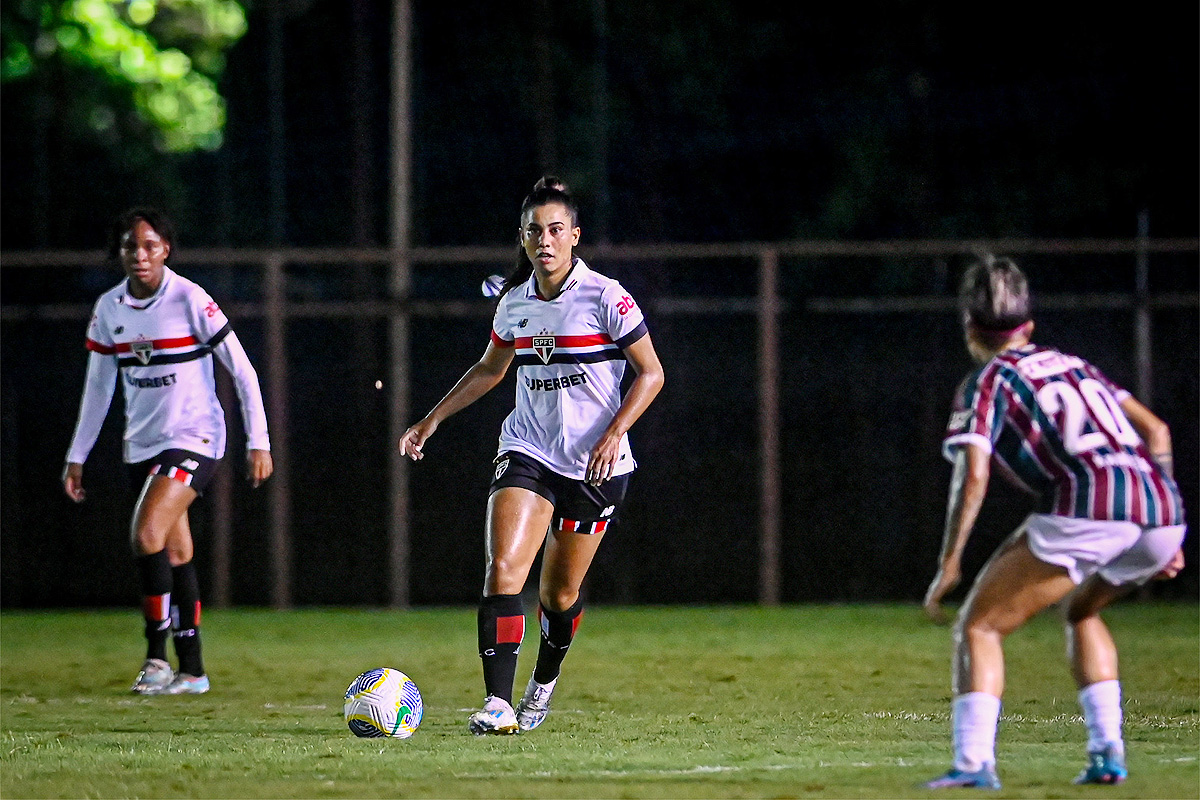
(72,479)
(948,576)
(259,466)
(414,439)
(1172,568)
(603,458)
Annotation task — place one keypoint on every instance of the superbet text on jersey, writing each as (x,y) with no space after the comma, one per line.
(568,352)
(1055,423)
(160,347)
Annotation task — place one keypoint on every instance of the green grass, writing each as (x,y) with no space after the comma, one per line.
(805,701)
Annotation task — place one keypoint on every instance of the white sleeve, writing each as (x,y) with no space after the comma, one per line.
(98,388)
(233,356)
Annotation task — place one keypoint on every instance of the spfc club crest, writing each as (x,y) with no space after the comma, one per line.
(142,349)
(544,347)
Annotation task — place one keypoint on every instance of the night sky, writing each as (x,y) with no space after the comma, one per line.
(726,121)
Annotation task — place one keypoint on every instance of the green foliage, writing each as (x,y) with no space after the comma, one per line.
(160,58)
(805,701)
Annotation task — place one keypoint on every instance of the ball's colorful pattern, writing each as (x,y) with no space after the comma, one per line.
(383,702)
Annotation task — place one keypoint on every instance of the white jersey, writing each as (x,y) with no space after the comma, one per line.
(569,367)
(160,347)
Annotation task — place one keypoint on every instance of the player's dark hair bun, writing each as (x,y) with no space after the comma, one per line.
(551,183)
(995,294)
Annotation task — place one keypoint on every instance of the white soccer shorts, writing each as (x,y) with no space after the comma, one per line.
(1121,552)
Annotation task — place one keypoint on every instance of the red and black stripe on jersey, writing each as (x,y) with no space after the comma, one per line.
(199,350)
(587,349)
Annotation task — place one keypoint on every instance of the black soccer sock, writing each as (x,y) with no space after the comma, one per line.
(558,630)
(501,628)
(185,616)
(154,570)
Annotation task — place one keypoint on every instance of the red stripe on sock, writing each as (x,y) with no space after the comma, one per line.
(156,607)
(196,620)
(575,623)
(510,630)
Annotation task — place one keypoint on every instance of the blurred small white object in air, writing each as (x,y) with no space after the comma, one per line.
(492,285)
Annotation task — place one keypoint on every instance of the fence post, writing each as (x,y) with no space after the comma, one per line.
(279,502)
(222,506)
(1142,322)
(768,427)
(399,291)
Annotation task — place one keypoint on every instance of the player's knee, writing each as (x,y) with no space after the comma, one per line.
(178,556)
(147,538)
(558,598)
(971,626)
(505,575)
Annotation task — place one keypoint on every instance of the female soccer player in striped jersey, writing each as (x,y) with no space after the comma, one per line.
(1110,518)
(564,459)
(156,330)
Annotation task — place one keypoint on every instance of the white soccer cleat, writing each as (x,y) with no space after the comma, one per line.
(155,676)
(187,684)
(497,717)
(535,705)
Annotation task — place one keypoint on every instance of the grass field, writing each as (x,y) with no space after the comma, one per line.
(678,702)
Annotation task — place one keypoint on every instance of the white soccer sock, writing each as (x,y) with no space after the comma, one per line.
(975,718)
(1101,703)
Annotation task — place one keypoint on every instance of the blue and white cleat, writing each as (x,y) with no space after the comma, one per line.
(155,676)
(535,705)
(1106,766)
(984,778)
(187,684)
(497,717)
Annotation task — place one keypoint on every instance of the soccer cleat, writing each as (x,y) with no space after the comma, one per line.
(535,705)
(1106,766)
(155,676)
(187,684)
(497,717)
(984,778)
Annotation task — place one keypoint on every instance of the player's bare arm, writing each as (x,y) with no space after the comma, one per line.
(968,487)
(1154,432)
(645,387)
(474,384)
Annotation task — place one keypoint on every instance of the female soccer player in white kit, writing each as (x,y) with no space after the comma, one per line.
(564,459)
(155,331)
(1111,518)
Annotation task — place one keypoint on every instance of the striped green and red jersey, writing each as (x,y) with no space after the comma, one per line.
(1054,423)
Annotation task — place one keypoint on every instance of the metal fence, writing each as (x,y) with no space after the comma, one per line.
(807,389)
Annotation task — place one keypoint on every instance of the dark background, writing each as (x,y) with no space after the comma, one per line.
(725,122)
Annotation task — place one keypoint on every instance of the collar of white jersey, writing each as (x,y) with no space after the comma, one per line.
(140,303)
(579,272)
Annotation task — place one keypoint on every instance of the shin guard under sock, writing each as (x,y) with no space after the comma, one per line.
(185,618)
(501,628)
(558,630)
(154,571)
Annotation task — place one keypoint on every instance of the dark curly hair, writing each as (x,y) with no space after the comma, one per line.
(125,222)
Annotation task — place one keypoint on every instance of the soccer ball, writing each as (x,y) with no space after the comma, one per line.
(383,702)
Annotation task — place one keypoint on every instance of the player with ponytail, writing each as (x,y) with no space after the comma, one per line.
(564,459)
